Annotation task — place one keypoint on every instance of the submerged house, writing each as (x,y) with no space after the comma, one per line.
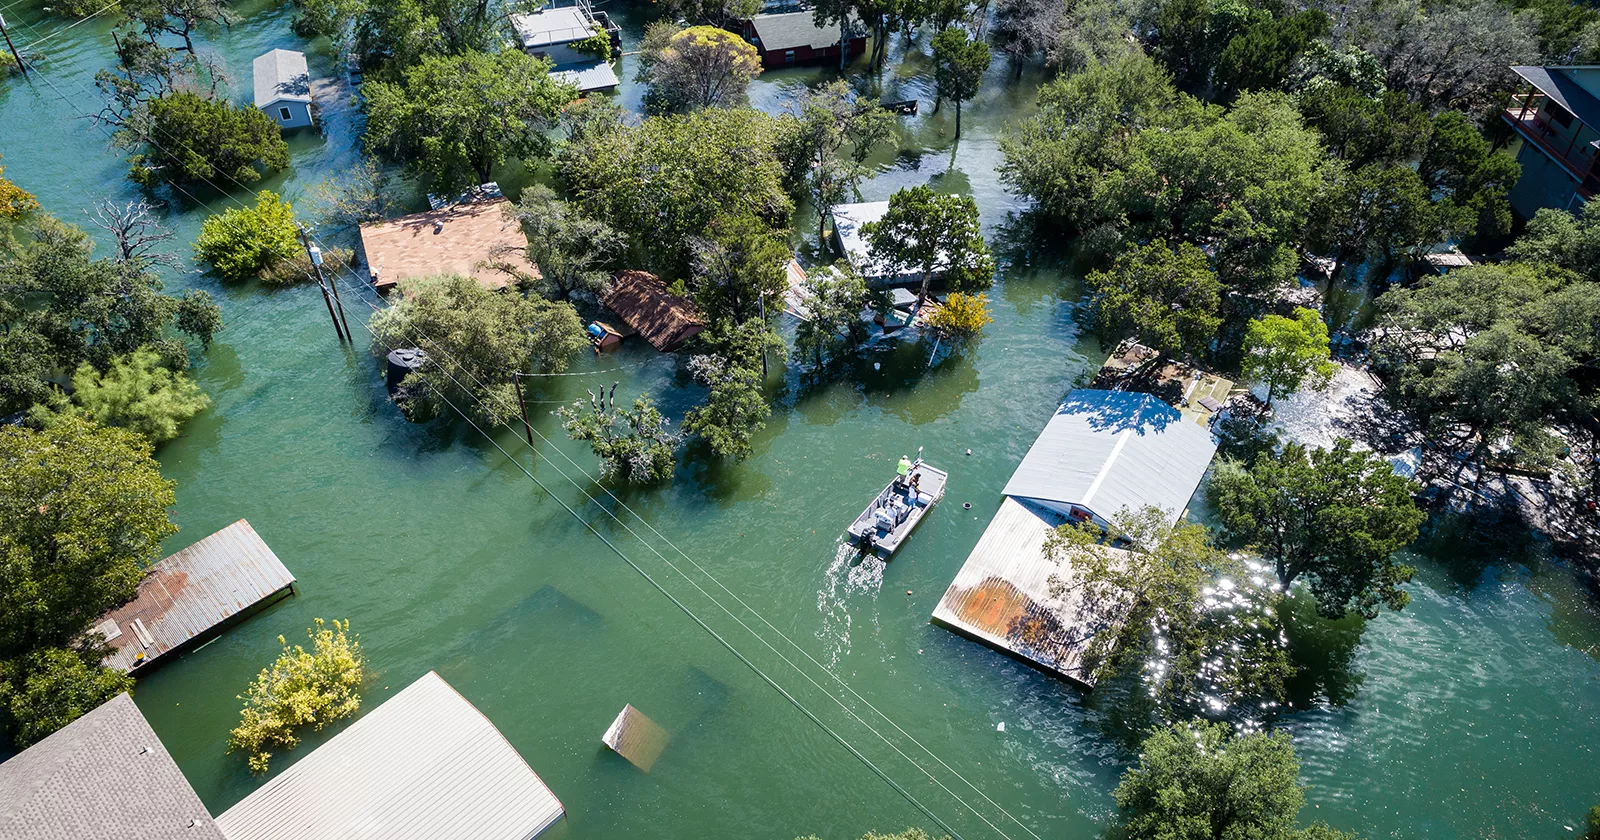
(642,301)
(558,34)
(471,238)
(792,38)
(194,594)
(424,765)
(1101,452)
(1556,118)
(283,87)
(848,219)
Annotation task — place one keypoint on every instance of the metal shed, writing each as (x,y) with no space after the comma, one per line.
(283,87)
(105,776)
(425,765)
(198,590)
(1107,450)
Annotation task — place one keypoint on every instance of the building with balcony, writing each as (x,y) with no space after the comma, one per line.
(1557,119)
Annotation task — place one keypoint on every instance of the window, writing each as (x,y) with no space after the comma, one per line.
(283,114)
(788,56)
(1559,115)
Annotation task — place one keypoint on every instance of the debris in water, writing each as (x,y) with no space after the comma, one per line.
(1001,727)
(908,592)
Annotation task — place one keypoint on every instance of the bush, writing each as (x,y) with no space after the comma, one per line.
(597,45)
(50,688)
(962,316)
(198,139)
(249,241)
(300,689)
(137,393)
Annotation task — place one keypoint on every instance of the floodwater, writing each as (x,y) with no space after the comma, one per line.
(1473,713)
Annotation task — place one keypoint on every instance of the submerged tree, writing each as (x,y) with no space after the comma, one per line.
(302,688)
(184,137)
(136,392)
(738,264)
(633,444)
(1168,298)
(15,202)
(1334,517)
(244,243)
(959,62)
(928,233)
(1286,354)
(573,252)
(830,119)
(832,299)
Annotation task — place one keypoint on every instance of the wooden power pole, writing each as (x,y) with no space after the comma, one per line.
(14,54)
(317,268)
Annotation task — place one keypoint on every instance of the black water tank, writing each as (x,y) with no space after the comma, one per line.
(402,362)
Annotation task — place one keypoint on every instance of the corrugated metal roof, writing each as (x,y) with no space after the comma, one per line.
(426,765)
(105,776)
(1108,450)
(553,26)
(281,76)
(587,77)
(1001,596)
(636,737)
(193,591)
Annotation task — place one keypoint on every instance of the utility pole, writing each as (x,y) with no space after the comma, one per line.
(316,266)
(527,428)
(761,297)
(316,263)
(18,56)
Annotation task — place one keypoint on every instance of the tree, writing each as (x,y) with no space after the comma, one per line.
(1561,239)
(1166,604)
(185,137)
(1456,55)
(718,13)
(1288,353)
(136,230)
(573,252)
(476,339)
(663,181)
(632,444)
(831,118)
(1362,129)
(178,18)
(302,688)
(1199,781)
(959,62)
(1264,55)
(928,233)
(454,118)
(1333,516)
(15,202)
(1459,165)
(83,511)
(694,68)
(1024,28)
(46,689)
(245,242)
(135,393)
(1375,212)
(735,409)
(962,317)
(737,264)
(832,299)
(1168,298)
(1593,831)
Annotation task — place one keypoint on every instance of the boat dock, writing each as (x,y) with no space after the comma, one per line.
(196,592)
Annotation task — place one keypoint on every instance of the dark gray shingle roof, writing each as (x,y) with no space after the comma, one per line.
(105,776)
(1556,84)
(796,29)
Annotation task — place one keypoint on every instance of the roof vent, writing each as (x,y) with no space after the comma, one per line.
(438,226)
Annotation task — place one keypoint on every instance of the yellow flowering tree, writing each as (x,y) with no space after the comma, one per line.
(962,316)
(302,688)
(14,200)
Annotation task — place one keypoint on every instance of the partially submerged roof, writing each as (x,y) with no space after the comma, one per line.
(587,77)
(636,737)
(1001,597)
(194,591)
(1558,84)
(1108,450)
(794,30)
(281,76)
(847,222)
(425,765)
(105,776)
(474,239)
(552,26)
(663,318)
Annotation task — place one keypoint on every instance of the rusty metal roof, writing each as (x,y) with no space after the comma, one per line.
(425,765)
(472,239)
(636,737)
(191,592)
(105,776)
(1001,596)
(663,318)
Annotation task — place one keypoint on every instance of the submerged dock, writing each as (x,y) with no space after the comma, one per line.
(194,593)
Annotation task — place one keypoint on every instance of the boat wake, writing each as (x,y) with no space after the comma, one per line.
(849,574)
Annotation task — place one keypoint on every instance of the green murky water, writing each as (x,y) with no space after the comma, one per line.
(1472,714)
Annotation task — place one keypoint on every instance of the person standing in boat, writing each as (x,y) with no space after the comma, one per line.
(903,471)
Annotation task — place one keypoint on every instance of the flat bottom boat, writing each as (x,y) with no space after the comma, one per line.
(890,518)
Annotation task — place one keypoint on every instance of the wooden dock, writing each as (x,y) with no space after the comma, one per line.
(1001,597)
(192,594)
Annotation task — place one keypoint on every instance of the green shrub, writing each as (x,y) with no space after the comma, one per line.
(191,138)
(137,393)
(47,689)
(302,688)
(249,241)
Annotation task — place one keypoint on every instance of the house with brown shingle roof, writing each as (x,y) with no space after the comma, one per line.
(471,239)
(664,319)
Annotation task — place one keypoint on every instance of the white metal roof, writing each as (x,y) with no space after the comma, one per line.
(281,76)
(1108,450)
(426,765)
(588,77)
(847,222)
(1001,596)
(552,26)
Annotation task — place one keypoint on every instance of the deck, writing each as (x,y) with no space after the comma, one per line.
(1001,597)
(196,591)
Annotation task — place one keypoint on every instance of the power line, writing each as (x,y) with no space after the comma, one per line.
(358,286)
